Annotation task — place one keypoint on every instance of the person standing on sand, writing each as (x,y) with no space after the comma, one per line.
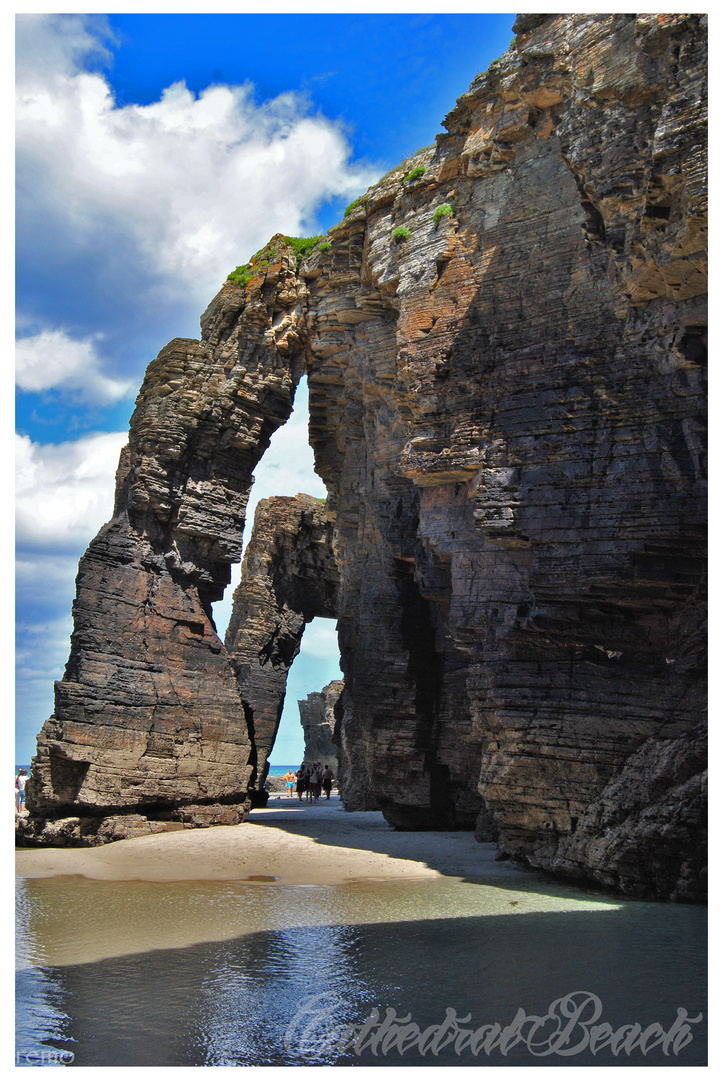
(326,778)
(314,784)
(289,780)
(20,782)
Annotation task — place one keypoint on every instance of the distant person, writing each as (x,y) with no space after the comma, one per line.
(326,778)
(20,781)
(315,783)
(300,783)
(289,779)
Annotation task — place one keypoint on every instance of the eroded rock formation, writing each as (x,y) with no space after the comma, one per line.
(148,717)
(507,407)
(288,577)
(320,713)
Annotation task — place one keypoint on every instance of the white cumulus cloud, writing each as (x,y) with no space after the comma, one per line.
(320,641)
(192,184)
(64,491)
(128,217)
(53,360)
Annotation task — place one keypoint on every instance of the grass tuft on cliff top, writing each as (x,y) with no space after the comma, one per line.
(361,201)
(302,245)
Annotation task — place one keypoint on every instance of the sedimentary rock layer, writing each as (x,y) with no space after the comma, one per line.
(148,716)
(507,408)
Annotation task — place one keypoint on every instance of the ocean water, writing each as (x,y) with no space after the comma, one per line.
(428,972)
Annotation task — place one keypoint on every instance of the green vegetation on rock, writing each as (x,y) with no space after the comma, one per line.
(325,245)
(241,275)
(302,245)
(400,234)
(412,174)
(442,211)
(268,252)
(353,206)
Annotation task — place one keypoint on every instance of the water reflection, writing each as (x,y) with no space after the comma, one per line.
(254,987)
(237,1001)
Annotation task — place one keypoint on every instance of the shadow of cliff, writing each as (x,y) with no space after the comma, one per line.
(451,853)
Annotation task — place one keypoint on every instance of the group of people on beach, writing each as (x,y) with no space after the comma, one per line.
(310,779)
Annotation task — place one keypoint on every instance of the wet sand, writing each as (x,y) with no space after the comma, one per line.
(291,842)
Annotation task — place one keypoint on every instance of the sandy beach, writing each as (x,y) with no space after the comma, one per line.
(291,842)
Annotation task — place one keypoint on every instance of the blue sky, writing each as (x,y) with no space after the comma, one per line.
(154,154)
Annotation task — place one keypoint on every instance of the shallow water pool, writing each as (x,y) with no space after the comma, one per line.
(441,972)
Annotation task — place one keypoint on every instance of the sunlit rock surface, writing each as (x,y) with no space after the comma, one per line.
(149,717)
(508,407)
(320,713)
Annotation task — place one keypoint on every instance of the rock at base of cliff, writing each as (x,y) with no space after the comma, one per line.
(94,831)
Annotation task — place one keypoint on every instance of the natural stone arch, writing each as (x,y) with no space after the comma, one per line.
(148,717)
(507,409)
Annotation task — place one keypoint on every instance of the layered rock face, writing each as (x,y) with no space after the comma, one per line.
(319,714)
(505,345)
(288,577)
(149,717)
(508,406)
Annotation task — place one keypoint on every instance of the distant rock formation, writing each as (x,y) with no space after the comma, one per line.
(288,577)
(320,713)
(505,342)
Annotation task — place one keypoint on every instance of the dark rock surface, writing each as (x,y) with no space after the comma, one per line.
(508,411)
(289,577)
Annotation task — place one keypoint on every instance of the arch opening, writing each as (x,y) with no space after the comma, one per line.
(286,468)
(314,668)
(284,603)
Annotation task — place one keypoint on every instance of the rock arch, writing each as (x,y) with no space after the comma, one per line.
(149,719)
(289,577)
